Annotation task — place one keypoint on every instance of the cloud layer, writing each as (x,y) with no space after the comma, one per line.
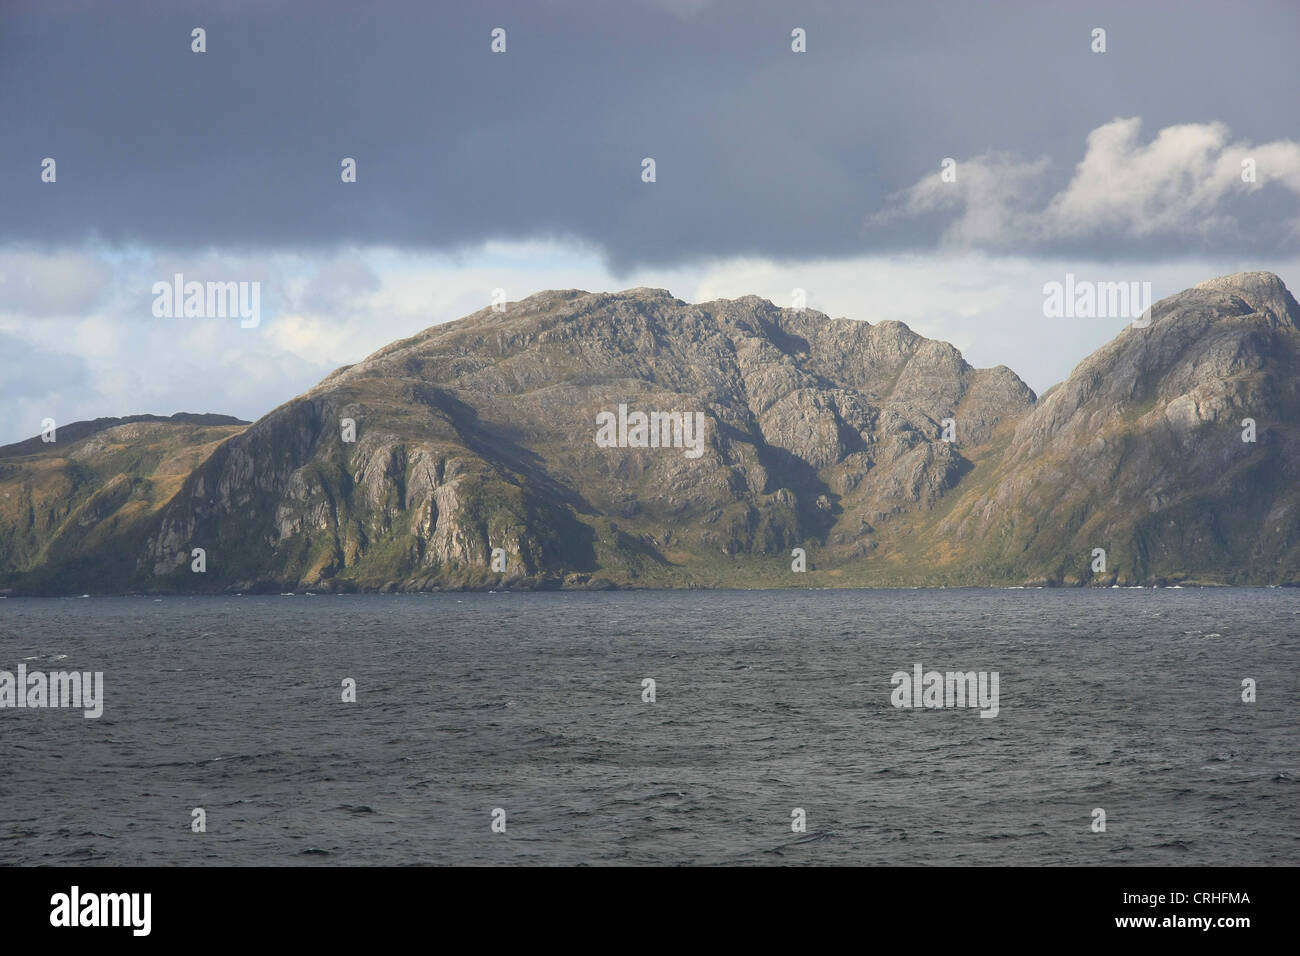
(760,151)
(522,171)
(1190,184)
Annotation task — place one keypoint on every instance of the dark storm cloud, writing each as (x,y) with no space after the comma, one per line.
(759,150)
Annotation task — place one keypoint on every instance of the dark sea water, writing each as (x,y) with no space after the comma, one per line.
(1125,700)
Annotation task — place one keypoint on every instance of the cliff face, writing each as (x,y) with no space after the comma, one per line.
(1140,452)
(882,454)
(481,434)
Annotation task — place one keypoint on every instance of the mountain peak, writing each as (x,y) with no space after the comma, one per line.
(646,292)
(1262,291)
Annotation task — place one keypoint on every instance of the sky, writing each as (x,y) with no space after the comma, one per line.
(523,170)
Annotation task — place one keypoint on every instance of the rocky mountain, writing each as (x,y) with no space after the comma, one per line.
(882,455)
(1140,452)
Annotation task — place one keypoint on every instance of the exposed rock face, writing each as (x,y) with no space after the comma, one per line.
(822,434)
(1140,452)
(480,434)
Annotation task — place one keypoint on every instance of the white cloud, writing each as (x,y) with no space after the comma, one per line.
(41,285)
(1180,185)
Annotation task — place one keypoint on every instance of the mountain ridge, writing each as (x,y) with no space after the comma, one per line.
(823,434)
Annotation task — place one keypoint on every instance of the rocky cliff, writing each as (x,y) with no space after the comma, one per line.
(1140,453)
(882,454)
